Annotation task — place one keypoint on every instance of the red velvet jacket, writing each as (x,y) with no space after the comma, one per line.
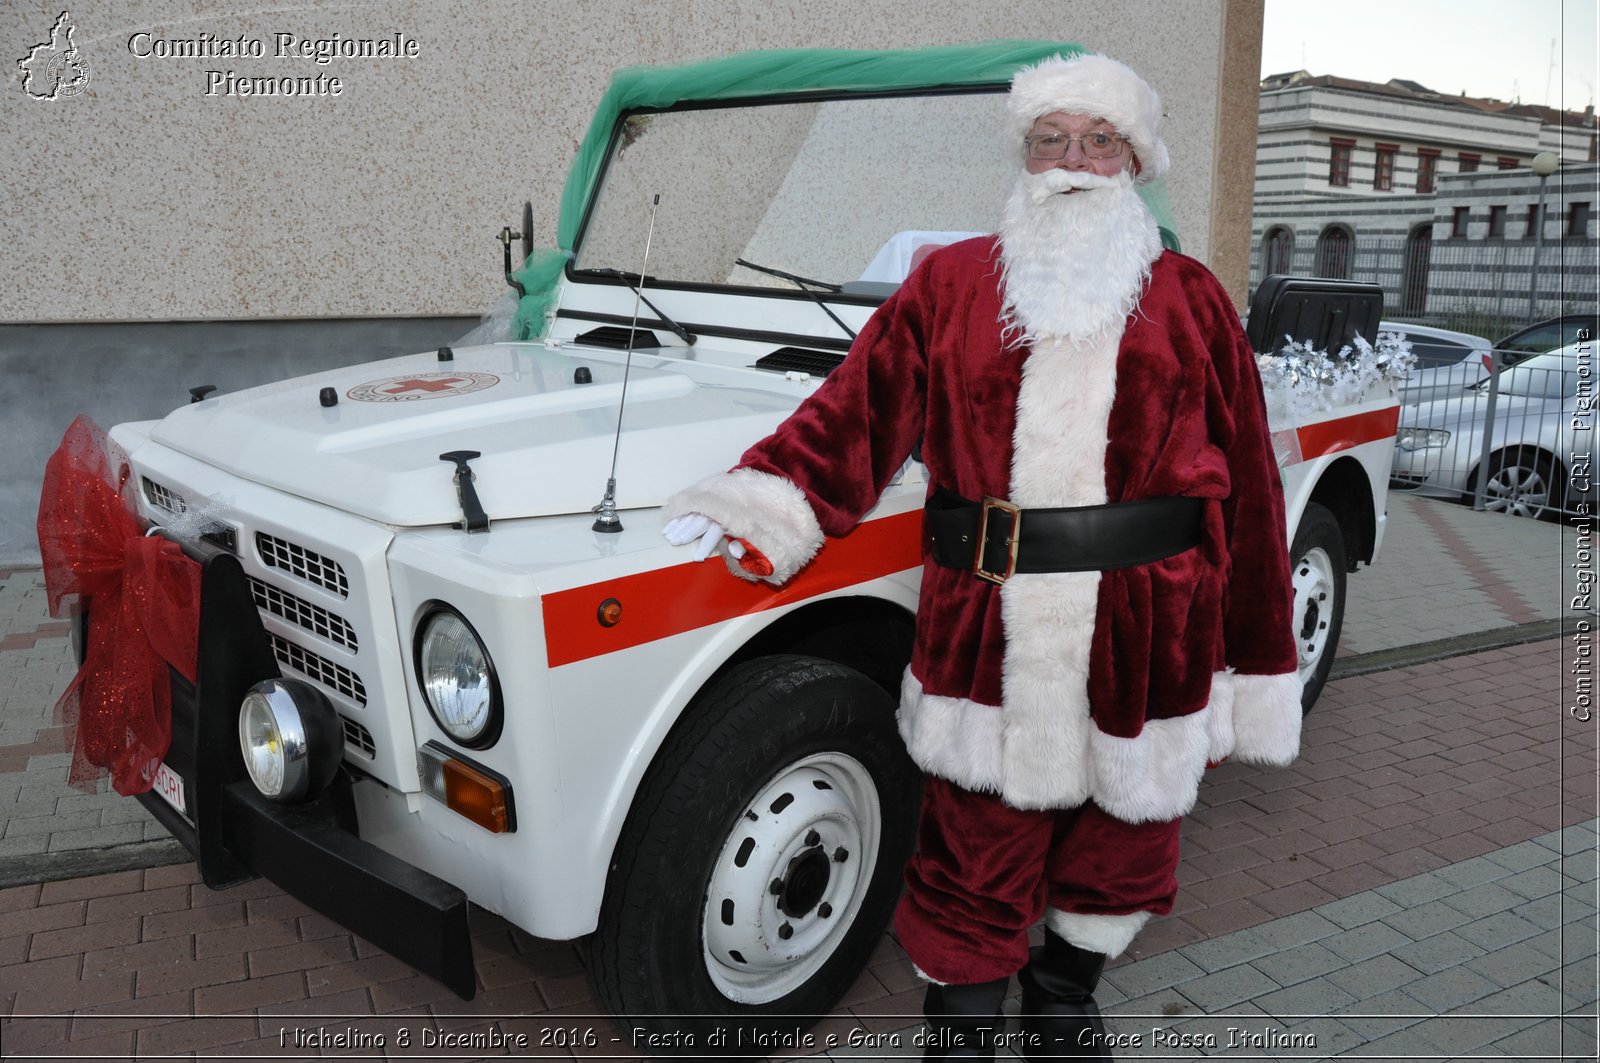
(1059,687)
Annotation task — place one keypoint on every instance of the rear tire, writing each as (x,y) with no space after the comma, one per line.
(761,860)
(1318,569)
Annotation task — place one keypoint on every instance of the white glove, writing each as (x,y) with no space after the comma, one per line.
(680,531)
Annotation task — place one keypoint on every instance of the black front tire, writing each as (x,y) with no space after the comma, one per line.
(1318,568)
(761,860)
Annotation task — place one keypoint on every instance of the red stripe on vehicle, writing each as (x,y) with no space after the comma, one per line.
(1329,437)
(670,601)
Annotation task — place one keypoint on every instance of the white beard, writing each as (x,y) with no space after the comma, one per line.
(1075,264)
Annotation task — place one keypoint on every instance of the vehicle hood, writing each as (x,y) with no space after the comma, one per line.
(545,440)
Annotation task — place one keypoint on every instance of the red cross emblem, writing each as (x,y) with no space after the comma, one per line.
(422,386)
(403,386)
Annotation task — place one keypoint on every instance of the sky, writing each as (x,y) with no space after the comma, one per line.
(1493,48)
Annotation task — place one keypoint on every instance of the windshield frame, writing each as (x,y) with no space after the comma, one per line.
(589,276)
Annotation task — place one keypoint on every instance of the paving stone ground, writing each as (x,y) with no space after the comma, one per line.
(1421,883)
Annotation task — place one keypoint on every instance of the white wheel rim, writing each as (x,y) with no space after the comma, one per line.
(813,831)
(1518,490)
(1313,608)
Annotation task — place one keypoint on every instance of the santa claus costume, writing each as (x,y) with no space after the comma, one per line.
(1065,707)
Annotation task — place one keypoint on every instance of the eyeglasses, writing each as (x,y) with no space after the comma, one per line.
(1048,147)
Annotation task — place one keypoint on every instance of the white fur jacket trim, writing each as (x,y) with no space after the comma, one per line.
(766,511)
(1109,935)
(1152,777)
(1257,718)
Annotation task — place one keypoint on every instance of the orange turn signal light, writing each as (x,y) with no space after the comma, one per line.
(479,794)
(473,794)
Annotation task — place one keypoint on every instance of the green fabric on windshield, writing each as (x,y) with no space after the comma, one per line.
(768,73)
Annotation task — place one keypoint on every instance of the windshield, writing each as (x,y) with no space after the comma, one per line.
(838,190)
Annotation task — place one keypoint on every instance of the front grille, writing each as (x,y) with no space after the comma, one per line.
(359,737)
(303,614)
(163,497)
(333,676)
(305,564)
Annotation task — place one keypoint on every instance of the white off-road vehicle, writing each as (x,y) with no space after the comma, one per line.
(456,682)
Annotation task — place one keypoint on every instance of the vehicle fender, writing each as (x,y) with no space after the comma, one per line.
(697,658)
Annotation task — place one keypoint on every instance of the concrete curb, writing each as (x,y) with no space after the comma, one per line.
(54,867)
(1454,646)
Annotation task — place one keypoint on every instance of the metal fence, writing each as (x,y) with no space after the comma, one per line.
(1484,287)
(1519,439)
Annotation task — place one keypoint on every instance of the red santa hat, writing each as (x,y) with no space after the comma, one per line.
(1094,85)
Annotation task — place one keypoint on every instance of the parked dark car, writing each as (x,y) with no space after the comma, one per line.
(1542,336)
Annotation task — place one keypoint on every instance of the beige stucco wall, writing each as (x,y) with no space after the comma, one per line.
(142,198)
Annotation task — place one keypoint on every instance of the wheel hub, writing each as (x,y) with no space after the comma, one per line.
(1313,604)
(791,876)
(1518,490)
(1313,611)
(805,883)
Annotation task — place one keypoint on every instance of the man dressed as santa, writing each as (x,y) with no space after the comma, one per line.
(1105,601)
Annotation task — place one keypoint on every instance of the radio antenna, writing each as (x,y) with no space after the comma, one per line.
(606,519)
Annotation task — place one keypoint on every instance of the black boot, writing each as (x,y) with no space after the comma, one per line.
(964,1020)
(1059,1015)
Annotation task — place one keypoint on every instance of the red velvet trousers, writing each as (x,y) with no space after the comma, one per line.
(984,873)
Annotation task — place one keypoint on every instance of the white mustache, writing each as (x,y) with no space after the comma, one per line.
(1041,186)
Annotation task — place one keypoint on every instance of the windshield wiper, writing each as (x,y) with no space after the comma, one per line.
(634,280)
(801,282)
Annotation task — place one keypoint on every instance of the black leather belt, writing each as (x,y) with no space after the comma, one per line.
(1069,539)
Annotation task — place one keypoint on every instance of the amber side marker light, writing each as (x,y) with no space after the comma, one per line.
(468,789)
(609,613)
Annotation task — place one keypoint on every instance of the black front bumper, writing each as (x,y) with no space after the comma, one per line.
(313,851)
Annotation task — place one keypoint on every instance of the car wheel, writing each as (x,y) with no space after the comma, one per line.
(1318,574)
(761,860)
(1524,483)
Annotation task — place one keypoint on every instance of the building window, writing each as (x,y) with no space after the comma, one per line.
(1427,169)
(1458,221)
(1594,147)
(1339,162)
(1383,167)
(1468,163)
(1505,162)
(1276,250)
(1333,253)
(1497,220)
(1577,219)
(1414,281)
(1533,220)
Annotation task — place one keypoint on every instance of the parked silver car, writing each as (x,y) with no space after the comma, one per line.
(1447,361)
(1541,451)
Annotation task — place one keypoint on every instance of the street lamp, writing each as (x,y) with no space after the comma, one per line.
(1544,164)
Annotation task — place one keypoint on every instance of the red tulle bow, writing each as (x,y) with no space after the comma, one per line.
(144,595)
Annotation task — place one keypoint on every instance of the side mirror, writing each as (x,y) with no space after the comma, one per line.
(526,236)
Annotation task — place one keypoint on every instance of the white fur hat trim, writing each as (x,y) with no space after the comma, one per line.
(1098,86)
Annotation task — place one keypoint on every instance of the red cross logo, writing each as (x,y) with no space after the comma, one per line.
(403,386)
(422,386)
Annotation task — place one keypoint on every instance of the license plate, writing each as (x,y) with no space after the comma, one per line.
(169,784)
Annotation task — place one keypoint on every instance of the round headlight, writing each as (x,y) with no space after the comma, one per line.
(458,679)
(291,739)
(262,744)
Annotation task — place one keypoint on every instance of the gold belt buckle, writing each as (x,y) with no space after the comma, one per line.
(1015,512)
